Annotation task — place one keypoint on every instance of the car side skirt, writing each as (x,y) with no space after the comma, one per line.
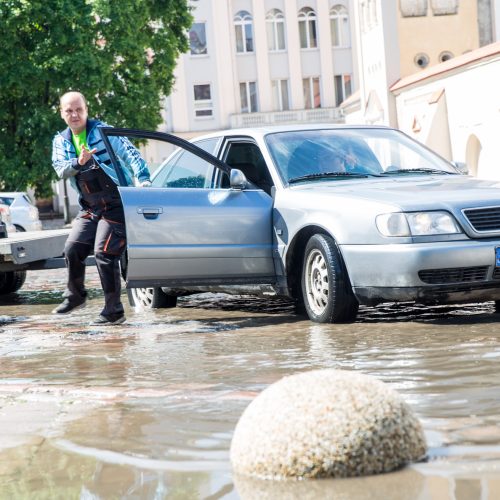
(246,283)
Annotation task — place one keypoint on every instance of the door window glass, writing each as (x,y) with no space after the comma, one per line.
(186,170)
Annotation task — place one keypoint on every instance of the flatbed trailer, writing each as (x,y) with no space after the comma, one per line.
(24,251)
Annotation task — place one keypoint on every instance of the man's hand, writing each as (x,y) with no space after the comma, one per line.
(85,155)
(145,184)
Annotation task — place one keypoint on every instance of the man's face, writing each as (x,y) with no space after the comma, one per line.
(74,112)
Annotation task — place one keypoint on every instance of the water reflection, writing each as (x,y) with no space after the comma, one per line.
(147,409)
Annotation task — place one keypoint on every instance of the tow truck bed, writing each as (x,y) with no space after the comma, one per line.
(32,250)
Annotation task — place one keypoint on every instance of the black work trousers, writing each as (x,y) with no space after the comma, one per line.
(99,226)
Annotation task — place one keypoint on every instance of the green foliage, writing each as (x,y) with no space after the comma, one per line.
(119,53)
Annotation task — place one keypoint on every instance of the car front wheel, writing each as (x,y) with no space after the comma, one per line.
(326,289)
(150,298)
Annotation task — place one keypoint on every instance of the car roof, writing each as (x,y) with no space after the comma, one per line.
(271,129)
(12,194)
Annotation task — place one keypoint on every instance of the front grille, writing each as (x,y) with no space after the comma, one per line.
(453,275)
(484,219)
(496,273)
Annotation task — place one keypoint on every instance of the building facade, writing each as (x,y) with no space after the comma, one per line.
(398,38)
(254,62)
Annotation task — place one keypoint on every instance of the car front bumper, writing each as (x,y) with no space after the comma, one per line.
(438,272)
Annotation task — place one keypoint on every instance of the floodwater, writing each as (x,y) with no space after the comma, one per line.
(147,409)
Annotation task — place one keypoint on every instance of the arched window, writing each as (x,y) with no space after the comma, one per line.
(307,28)
(275,23)
(339,25)
(243,29)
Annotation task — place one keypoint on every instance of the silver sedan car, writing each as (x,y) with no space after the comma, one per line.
(332,216)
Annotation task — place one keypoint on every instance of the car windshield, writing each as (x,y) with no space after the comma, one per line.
(306,155)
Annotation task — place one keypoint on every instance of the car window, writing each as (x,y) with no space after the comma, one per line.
(6,201)
(186,170)
(189,171)
(247,157)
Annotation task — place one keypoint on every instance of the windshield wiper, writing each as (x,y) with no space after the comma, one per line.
(417,170)
(325,174)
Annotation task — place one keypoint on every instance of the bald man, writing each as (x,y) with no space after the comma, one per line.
(78,154)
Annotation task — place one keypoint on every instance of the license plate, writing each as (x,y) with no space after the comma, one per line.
(497,257)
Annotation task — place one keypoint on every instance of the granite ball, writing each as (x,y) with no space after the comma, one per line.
(326,423)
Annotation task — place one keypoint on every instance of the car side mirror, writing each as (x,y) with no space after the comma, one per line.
(237,179)
(461,167)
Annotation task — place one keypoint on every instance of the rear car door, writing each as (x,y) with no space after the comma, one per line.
(186,229)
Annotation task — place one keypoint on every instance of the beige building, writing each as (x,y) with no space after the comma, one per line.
(397,38)
(431,32)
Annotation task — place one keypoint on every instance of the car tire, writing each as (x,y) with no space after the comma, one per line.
(150,298)
(11,281)
(326,289)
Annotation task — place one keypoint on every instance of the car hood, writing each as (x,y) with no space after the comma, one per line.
(414,193)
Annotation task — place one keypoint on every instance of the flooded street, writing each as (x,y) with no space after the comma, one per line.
(147,409)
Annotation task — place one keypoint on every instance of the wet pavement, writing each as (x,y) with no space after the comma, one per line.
(147,409)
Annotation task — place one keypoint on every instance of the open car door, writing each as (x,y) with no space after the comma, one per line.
(186,229)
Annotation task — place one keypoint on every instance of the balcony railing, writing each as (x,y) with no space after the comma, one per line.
(331,115)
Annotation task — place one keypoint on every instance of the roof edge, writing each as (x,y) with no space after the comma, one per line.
(471,57)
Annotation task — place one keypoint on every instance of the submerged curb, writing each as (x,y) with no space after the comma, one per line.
(326,423)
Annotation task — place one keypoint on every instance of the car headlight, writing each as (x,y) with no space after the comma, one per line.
(416,224)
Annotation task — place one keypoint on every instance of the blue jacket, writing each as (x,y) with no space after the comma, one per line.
(65,159)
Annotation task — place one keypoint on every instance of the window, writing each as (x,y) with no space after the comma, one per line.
(312,95)
(339,26)
(281,100)
(243,29)
(197,39)
(275,23)
(413,8)
(203,106)
(445,56)
(248,96)
(307,28)
(343,88)
(186,170)
(369,14)
(421,60)
(247,157)
(6,201)
(444,7)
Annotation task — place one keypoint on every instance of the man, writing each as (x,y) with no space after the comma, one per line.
(78,154)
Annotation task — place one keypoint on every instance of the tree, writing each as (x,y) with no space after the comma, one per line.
(120,54)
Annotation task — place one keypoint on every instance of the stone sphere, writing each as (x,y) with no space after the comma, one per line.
(326,423)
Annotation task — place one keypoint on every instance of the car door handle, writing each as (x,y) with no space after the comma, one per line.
(150,212)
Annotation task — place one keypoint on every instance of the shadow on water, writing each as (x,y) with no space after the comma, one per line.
(462,314)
